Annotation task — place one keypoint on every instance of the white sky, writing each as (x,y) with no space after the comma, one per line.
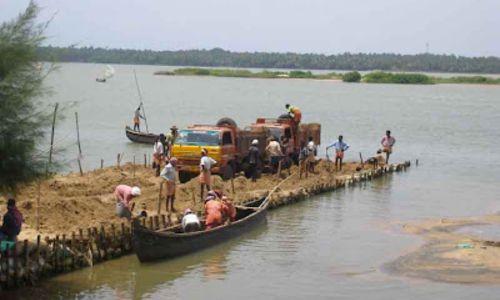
(463,27)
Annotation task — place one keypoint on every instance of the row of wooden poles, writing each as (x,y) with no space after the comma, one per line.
(26,262)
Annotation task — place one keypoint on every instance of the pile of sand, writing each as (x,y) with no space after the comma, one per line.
(69,202)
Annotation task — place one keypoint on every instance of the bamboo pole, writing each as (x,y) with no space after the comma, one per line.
(159,198)
(141,104)
(52,138)
(38,206)
(133,168)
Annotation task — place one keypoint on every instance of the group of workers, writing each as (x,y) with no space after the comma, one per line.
(218,208)
(340,147)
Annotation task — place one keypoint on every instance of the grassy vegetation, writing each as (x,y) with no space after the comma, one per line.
(399,78)
(373,77)
(467,80)
(351,77)
(248,74)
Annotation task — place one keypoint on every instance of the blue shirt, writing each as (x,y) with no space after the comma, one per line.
(339,146)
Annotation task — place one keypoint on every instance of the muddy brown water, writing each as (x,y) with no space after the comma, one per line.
(331,246)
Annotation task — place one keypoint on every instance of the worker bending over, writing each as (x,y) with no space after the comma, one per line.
(294,112)
(213,210)
(124,195)
(190,221)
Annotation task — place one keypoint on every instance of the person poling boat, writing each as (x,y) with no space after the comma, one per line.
(387,143)
(137,119)
(124,195)
(340,147)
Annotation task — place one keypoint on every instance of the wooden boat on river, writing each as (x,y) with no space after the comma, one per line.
(140,137)
(172,242)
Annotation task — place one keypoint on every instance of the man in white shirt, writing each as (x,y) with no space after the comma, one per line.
(274,152)
(190,221)
(158,154)
(206,163)
(170,175)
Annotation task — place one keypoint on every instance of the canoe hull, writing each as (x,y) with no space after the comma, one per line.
(140,137)
(153,245)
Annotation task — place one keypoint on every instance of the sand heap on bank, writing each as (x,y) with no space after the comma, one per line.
(69,202)
(451,255)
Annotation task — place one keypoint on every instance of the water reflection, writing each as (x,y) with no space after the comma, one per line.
(127,278)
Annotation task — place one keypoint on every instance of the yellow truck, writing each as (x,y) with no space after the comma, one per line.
(228,144)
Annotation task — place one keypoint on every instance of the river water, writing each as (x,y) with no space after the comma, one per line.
(331,246)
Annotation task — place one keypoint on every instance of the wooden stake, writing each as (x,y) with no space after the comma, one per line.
(232,184)
(118,160)
(52,138)
(159,198)
(38,206)
(279,169)
(361,158)
(145,161)
(102,163)
(133,168)
(79,145)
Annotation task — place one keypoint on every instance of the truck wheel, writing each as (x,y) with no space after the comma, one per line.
(227,122)
(184,176)
(228,172)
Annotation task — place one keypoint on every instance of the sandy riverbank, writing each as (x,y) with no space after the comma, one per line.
(69,202)
(452,252)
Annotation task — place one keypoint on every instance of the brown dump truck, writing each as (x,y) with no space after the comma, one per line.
(228,144)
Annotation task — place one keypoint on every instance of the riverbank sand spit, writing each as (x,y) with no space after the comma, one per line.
(69,202)
(451,255)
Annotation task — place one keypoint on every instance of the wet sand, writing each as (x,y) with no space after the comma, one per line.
(451,253)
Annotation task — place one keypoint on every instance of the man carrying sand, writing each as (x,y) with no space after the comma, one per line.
(206,163)
(124,195)
(170,175)
(387,143)
(340,147)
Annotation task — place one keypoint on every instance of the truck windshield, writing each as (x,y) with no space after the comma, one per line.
(198,137)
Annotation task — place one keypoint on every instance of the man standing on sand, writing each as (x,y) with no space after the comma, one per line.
(12,222)
(340,147)
(158,154)
(387,142)
(170,140)
(253,160)
(169,174)
(274,153)
(124,195)
(206,163)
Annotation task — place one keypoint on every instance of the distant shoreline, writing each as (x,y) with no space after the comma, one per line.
(371,77)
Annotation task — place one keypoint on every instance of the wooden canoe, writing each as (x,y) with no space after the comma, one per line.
(151,245)
(140,137)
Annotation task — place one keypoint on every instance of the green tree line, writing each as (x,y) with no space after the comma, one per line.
(221,58)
